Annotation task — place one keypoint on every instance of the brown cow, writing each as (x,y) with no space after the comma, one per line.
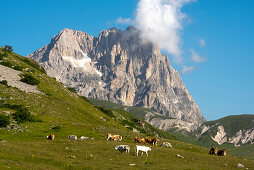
(110,137)
(114,137)
(148,140)
(222,152)
(51,137)
(155,141)
(213,151)
(139,140)
(117,138)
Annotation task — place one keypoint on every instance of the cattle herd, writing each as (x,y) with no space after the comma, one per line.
(147,140)
(215,151)
(142,149)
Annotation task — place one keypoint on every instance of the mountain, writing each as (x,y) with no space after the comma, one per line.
(236,129)
(120,67)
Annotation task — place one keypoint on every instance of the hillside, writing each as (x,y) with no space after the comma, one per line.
(52,108)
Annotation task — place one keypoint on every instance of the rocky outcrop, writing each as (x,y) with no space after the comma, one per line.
(221,136)
(120,67)
(170,124)
(13,79)
(236,129)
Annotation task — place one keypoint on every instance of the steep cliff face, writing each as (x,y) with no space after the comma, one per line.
(120,67)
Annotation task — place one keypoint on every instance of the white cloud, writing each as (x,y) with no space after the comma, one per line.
(202,42)
(196,58)
(124,21)
(187,69)
(160,22)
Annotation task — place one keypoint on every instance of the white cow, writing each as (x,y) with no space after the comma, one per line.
(143,149)
(166,144)
(72,137)
(123,148)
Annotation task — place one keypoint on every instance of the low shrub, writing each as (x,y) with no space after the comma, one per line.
(23,115)
(29,79)
(72,89)
(1,56)
(106,111)
(4,82)
(6,63)
(33,64)
(19,68)
(4,120)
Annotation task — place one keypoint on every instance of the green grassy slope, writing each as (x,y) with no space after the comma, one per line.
(62,112)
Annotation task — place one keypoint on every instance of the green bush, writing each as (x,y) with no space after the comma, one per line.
(6,63)
(32,63)
(1,56)
(4,120)
(4,82)
(29,79)
(72,89)
(19,68)
(23,115)
(8,48)
(106,111)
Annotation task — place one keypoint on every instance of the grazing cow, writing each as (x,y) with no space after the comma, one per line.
(166,144)
(155,141)
(72,137)
(148,140)
(114,137)
(142,149)
(51,137)
(123,148)
(222,152)
(117,138)
(83,137)
(110,137)
(139,140)
(213,151)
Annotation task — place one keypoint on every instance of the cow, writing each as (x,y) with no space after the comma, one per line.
(123,148)
(166,144)
(142,149)
(155,141)
(117,138)
(51,137)
(148,140)
(114,137)
(72,137)
(139,140)
(83,137)
(222,152)
(213,151)
(110,137)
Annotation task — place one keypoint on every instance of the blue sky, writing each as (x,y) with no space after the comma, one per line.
(221,86)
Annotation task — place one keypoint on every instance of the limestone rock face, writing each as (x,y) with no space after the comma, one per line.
(120,67)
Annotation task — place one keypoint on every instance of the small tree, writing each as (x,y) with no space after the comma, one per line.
(8,48)
(4,82)
(23,115)
(29,79)
(4,121)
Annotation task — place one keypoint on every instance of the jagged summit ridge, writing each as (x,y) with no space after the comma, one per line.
(120,67)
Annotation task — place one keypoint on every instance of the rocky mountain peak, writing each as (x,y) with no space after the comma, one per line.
(120,67)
